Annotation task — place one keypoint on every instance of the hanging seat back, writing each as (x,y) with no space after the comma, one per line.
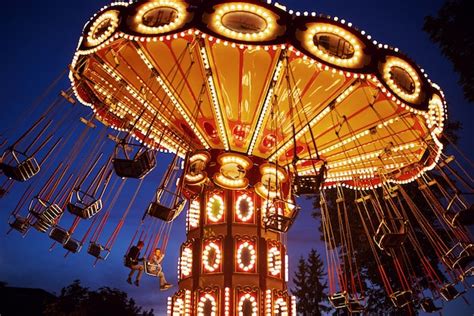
(460,256)
(428,305)
(45,213)
(401,298)
(151,269)
(98,251)
(309,184)
(391,233)
(84,205)
(449,292)
(138,167)
(167,207)
(18,166)
(73,245)
(20,224)
(60,235)
(463,217)
(339,300)
(280,216)
(355,306)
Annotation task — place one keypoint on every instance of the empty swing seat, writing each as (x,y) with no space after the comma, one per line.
(461,256)
(73,245)
(60,235)
(339,300)
(278,223)
(46,214)
(355,307)
(165,213)
(464,217)
(401,298)
(308,184)
(85,211)
(449,292)
(42,226)
(98,251)
(136,168)
(24,171)
(20,224)
(428,305)
(390,237)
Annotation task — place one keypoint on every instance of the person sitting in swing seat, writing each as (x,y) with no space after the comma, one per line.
(154,267)
(132,260)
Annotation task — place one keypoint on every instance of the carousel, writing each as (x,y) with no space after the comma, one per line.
(258,106)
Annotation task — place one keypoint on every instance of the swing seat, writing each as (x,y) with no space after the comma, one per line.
(42,226)
(98,251)
(461,256)
(60,235)
(151,269)
(164,213)
(355,306)
(50,214)
(278,223)
(401,298)
(428,305)
(339,300)
(309,184)
(85,211)
(20,224)
(449,292)
(386,237)
(73,245)
(22,172)
(464,217)
(136,168)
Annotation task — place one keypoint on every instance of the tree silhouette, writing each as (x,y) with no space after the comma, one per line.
(78,300)
(310,285)
(451,29)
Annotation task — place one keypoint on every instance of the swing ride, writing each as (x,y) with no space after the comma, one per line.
(259,105)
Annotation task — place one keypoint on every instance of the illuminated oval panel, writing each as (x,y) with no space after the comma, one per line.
(244,208)
(186,262)
(274,261)
(248,305)
(102,28)
(402,79)
(246,256)
(215,209)
(334,45)
(158,17)
(211,257)
(207,305)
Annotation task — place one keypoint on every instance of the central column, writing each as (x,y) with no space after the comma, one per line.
(233,261)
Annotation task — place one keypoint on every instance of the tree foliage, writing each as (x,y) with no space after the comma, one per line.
(451,29)
(78,300)
(310,285)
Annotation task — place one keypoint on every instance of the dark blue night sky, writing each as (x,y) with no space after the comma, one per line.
(38,42)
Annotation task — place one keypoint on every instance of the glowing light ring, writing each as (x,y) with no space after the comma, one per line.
(274,261)
(233,171)
(178,307)
(202,302)
(253,256)
(252,300)
(186,262)
(205,257)
(179,20)
(110,17)
(280,305)
(393,85)
(238,211)
(316,28)
(213,199)
(229,8)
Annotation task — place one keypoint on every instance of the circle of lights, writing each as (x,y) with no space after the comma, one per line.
(215,217)
(393,62)
(317,28)
(112,19)
(202,302)
(280,306)
(436,112)
(253,256)
(178,7)
(253,302)
(186,261)
(205,257)
(238,208)
(251,10)
(274,261)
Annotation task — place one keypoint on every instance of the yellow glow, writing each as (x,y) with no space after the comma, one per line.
(110,17)
(178,22)
(397,62)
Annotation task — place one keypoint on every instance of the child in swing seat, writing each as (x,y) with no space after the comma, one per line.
(156,268)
